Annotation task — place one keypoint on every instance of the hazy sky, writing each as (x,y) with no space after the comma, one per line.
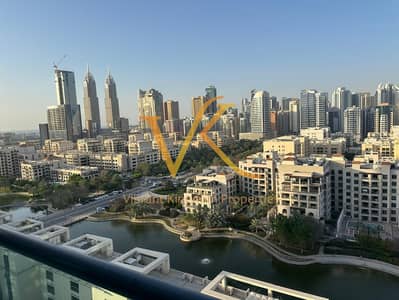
(180,47)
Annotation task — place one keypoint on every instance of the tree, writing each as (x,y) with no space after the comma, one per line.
(138,209)
(144,169)
(255,225)
(216,217)
(297,231)
(200,216)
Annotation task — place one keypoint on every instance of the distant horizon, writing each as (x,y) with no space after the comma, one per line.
(179,48)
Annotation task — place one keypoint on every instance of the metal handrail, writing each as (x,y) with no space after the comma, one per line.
(114,278)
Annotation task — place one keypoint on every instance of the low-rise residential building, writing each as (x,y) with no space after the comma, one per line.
(58,145)
(304,146)
(384,146)
(252,136)
(303,186)
(139,147)
(149,157)
(216,136)
(75,158)
(90,145)
(367,189)
(65,174)
(224,175)
(35,170)
(318,133)
(9,162)
(29,152)
(263,167)
(170,145)
(328,146)
(118,162)
(204,193)
(289,144)
(115,145)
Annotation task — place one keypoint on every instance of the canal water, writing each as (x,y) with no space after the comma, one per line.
(208,257)
(21,213)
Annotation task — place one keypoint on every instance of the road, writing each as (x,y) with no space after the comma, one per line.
(72,214)
(69,214)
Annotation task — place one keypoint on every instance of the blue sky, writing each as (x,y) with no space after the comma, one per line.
(180,47)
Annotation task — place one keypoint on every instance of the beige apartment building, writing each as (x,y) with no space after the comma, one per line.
(204,193)
(9,162)
(263,166)
(224,175)
(90,145)
(318,133)
(149,157)
(305,146)
(289,144)
(58,145)
(366,190)
(118,162)
(65,174)
(115,145)
(35,170)
(75,158)
(303,186)
(384,146)
(328,146)
(139,147)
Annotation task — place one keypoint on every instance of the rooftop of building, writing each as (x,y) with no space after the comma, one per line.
(205,183)
(24,226)
(36,162)
(214,171)
(317,161)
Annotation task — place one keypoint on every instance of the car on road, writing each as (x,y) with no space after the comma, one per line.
(100,209)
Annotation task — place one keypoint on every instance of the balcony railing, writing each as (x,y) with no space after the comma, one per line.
(114,278)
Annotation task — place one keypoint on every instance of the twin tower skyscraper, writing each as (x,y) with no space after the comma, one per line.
(91,105)
(64,119)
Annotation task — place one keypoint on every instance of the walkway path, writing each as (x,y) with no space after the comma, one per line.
(291,258)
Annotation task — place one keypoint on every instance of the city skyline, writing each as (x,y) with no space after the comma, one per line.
(245,52)
(199,149)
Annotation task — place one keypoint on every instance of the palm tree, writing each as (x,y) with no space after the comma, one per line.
(255,224)
(139,209)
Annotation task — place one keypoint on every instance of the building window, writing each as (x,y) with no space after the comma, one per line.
(6,262)
(75,287)
(50,289)
(49,275)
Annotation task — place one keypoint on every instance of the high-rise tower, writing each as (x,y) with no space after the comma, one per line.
(210,93)
(65,87)
(260,114)
(91,106)
(313,109)
(64,119)
(150,104)
(353,122)
(111,103)
(171,116)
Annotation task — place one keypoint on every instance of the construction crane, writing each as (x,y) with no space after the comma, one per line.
(55,65)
